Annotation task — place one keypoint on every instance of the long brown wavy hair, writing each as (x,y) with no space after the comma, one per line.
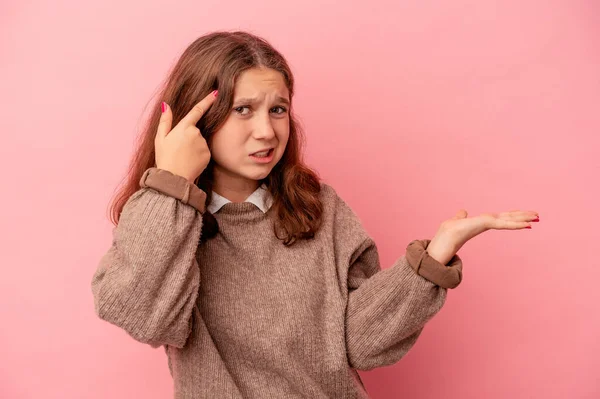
(214,61)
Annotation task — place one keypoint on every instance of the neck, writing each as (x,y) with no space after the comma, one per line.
(234,188)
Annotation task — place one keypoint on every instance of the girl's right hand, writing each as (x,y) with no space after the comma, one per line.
(183,151)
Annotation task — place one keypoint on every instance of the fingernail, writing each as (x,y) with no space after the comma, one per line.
(215,93)
(528,227)
(163,107)
(536,219)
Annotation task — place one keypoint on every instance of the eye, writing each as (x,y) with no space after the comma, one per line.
(283,110)
(239,108)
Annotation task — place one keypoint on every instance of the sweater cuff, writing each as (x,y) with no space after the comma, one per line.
(446,276)
(175,186)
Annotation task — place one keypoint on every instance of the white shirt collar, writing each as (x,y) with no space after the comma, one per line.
(260,197)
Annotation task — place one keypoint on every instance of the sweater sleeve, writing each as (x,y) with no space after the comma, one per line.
(147,282)
(387,310)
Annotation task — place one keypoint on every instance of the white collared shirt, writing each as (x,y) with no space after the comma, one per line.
(261,197)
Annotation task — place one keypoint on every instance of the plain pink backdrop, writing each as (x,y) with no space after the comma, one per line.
(413,110)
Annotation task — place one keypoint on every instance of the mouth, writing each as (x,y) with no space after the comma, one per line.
(264,157)
(265,152)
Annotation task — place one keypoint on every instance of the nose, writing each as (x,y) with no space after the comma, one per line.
(263,129)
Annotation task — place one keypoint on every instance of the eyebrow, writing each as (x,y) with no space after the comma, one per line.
(254,100)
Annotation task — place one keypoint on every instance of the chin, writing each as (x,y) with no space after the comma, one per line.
(260,176)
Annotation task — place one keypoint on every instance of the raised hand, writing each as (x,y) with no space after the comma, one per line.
(182,150)
(456,231)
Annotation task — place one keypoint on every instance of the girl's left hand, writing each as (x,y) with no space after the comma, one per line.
(456,231)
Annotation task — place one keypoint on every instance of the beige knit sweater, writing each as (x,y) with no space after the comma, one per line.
(243,316)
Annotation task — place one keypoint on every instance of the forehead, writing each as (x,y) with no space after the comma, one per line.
(261,81)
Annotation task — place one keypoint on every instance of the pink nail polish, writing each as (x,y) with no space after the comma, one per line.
(163,106)
(215,92)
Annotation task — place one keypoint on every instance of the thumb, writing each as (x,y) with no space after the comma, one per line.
(166,120)
(460,214)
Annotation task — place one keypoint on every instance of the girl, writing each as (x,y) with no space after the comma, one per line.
(257,279)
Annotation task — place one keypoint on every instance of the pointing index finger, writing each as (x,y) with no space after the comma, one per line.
(199,109)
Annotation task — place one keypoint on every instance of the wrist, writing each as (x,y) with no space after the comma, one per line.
(441,249)
(446,276)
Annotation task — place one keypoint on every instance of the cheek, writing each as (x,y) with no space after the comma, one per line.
(216,148)
(226,150)
(283,138)
(283,131)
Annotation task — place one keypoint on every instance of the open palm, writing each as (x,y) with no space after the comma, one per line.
(463,228)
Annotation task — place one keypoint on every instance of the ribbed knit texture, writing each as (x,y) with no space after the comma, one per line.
(243,316)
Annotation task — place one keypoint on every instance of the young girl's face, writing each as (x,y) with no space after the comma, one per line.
(258,119)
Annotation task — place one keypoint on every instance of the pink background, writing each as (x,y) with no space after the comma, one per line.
(413,110)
